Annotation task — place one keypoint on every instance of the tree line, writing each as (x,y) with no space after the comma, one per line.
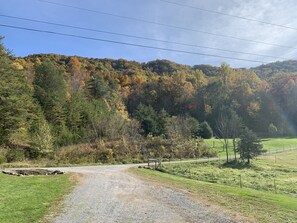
(75,109)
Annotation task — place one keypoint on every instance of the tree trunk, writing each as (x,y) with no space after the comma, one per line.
(227,153)
(234,148)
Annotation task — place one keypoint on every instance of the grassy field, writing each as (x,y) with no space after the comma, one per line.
(269,144)
(28,199)
(266,173)
(220,185)
(287,159)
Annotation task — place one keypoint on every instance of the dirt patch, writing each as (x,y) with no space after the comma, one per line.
(76,178)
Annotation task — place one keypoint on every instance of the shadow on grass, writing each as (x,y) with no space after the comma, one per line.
(236,164)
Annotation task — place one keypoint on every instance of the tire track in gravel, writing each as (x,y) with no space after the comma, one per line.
(110,194)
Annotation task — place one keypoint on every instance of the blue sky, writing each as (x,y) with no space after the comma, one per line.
(282,12)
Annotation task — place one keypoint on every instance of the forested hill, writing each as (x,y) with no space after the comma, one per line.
(260,96)
(267,72)
(277,69)
(60,100)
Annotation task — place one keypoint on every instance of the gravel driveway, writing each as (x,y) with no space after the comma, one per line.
(110,194)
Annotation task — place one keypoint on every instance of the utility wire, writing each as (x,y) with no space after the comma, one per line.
(229,15)
(137,37)
(162,24)
(128,44)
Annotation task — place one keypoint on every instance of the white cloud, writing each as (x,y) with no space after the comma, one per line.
(275,11)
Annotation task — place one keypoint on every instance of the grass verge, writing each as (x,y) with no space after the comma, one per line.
(28,199)
(258,206)
(261,175)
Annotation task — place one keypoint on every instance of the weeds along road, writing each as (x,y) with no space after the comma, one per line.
(111,194)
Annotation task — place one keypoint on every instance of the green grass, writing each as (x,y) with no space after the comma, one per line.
(28,199)
(262,175)
(285,158)
(269,144)
(257,206)
(220,185)
(279,143)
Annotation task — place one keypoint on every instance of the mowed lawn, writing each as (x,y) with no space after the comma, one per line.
(269,144)
(28,199)
(258,200)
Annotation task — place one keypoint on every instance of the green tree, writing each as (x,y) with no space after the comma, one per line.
(148,118)
(216,96)
(78,110)
(163,119)
(223,127)
(205,130)
(182,127)
(234,125)
(97,86)
(50,92)
(272,129)
(249,146)
(42,140)
(16,103)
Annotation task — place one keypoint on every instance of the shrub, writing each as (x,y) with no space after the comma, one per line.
(76,154)
(42,141)
(3,153)
(105,155)
(15,155)
(272,129)
(205,130)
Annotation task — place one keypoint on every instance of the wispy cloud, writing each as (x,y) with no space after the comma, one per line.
(281,12)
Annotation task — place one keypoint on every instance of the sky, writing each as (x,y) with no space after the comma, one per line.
(158,20)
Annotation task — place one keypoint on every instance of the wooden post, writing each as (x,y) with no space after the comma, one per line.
(274,185)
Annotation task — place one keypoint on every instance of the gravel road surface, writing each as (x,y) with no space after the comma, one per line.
(110,194)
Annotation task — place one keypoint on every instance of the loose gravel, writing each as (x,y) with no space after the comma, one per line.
(110,194)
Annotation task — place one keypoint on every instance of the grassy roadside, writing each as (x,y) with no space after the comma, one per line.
(261,175)
(28,199)
(257,205)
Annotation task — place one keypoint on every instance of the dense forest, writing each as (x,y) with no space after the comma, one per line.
(74,109)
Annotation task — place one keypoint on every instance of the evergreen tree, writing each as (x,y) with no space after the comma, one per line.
(148,118)
(97,86)
(249,146)
(16,103)
(163,117)
(20,119)
(205,130)
(50,92)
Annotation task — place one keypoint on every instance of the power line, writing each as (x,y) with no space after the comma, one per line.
(129,44)
(163,24)
(229,15)
(137,37)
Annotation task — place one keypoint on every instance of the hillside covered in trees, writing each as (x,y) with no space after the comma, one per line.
(76,109)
